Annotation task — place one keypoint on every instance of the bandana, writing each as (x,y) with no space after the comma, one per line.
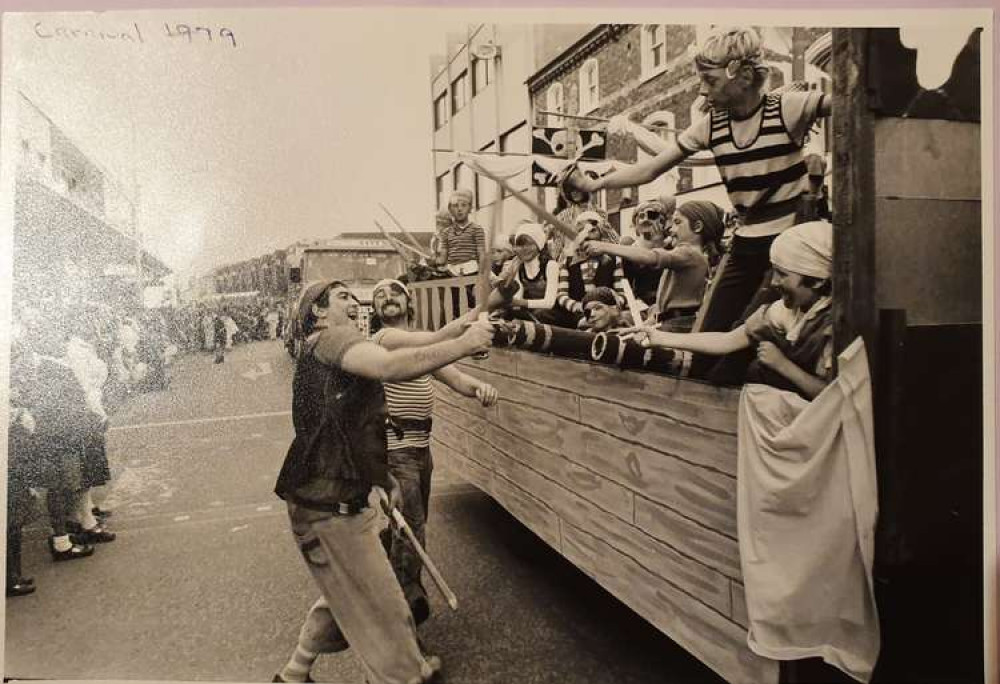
(708,214)
(534,231)
(391,281)
(806,249)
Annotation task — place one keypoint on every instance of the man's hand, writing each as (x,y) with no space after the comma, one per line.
(771,356)
(394,494)
(487,394)
(478,337)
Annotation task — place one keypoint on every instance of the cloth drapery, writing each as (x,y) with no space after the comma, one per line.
(806,510)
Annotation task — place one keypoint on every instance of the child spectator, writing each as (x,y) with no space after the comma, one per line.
(696,231)
(793,336)
(757,140)
(578,275)
(528,283)
(602,311)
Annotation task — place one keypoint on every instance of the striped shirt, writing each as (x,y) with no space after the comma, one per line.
(463,244)
(761,159)
(578,279)
(413,399)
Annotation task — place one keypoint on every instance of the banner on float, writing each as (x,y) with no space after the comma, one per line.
(556,142)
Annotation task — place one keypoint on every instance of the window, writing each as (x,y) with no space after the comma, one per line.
(459,92)
(465,179)
(440,110)
(589,86)
(486,189)
(665,124)
(554,103)
(482,75)
(654,49)
(439,186)
(517,139)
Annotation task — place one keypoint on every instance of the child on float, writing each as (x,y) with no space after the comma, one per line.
(757,139)
(794,335)
(697,229)
(581,273)
(527,285)
(651,222)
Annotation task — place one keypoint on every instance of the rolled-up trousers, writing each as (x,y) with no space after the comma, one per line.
(363,601)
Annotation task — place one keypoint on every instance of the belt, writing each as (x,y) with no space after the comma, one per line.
(398,425)
(349,507)
(678,312)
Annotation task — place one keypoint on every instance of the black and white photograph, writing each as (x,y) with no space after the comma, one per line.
(422,345)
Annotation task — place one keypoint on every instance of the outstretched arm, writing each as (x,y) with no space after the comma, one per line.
(629,175)
(713,343)
(394,338)
(370,360)
(633,253)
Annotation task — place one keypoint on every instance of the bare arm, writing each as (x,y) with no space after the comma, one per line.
(633,253)
(636,174)
(551,289)
(394,338)
(713,343)
(369,360)
(770,355)
(647,140)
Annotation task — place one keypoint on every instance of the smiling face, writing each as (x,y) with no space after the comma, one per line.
(525,248)
(795,293)
(390,302)
(682,229)
(339,310)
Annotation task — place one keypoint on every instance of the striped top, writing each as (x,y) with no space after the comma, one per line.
(578,279)
(412,399)
(761,158)
(463,244)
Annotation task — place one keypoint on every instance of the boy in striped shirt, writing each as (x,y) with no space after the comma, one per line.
(411,404)
(757,140)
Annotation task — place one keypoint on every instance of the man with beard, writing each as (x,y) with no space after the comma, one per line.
(411,403)
(337,458)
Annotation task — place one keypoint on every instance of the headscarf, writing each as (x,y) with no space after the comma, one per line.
(607,233)
(309,297)
(391,281)
(806,249)
(535,231)
(710,216)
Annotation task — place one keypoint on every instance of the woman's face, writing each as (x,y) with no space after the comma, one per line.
(525,248)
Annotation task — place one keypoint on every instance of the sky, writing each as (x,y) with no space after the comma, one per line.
(298,131)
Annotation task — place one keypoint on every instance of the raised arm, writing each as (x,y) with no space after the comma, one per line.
(393,338)
(713,343)
(370,360)
(626,176)
(633,253)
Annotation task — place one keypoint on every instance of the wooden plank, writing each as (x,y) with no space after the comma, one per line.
(712,449)
(707,546)
(468,469)
(468,422)
(435,309)
(451,434)
(468,405)
(704,495)
(534,514)
(463,301)
(945,240)
(739,603)
(706,584)
(698,493)
(684,400)
(598,490)
(557,401)
(942,159)
(502,361)
(710,637)
(853,193)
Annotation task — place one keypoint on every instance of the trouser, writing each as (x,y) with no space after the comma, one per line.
(744,283)
(61,504)
(13,553)
(412,468)
(363,598)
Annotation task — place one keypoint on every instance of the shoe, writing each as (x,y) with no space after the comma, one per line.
(421,610)
(97,535)
(72,553)
(20,588)
(277,678)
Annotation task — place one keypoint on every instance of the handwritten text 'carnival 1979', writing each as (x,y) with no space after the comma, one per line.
(186,33)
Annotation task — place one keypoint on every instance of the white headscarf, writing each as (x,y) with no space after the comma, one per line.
(533,230)
(806,249)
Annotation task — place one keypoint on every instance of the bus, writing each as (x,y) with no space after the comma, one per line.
(358,262)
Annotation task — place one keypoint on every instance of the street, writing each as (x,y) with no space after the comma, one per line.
(205,583)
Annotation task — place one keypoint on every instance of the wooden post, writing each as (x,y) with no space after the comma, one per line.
(854,193)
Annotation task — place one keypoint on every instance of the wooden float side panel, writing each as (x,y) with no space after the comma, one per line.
(502,361)
(712,638)
(699,493)
(701,543)
(560,402)
(704,447)
(683,400)
(602,492)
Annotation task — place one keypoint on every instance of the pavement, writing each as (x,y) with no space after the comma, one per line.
(204,581)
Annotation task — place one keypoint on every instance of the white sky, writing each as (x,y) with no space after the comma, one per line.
(298,132)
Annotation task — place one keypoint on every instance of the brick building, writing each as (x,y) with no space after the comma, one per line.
(646,72)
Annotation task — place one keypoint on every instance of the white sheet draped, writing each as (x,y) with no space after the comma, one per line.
(806,510)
